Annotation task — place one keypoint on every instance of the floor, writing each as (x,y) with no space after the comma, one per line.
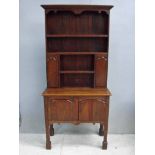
(76,144)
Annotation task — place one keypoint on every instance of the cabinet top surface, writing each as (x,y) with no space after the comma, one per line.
(104,7)
(76,92)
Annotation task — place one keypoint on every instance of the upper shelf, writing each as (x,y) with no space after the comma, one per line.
(76,35)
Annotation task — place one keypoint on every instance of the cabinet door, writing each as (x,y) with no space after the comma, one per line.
(63,109)
(101,64)
(53,70)
(92,109)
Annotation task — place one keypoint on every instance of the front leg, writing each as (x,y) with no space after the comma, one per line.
(48,142)
(105,143)
(47,125)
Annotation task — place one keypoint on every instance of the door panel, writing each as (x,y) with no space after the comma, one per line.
(92,109)
(85,112)
(63,109)
(53,70)
(101,70)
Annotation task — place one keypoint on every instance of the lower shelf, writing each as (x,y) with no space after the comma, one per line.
(76,106)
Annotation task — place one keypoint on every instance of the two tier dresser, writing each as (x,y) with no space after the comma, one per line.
(77,42)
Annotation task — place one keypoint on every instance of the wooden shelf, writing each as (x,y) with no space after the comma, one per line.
(76,72)
(76,48)
(76,53)
(76,35)
(76,92)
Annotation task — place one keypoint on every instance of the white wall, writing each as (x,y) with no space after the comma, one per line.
(121,66)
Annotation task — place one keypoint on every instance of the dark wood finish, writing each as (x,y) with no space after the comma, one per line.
(77,80)
(79,62)
(77,42)
(70,44)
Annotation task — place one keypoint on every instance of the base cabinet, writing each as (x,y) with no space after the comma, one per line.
(76,110)
(83,109)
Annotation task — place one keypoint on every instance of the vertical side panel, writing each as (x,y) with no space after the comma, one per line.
(101,70)
(53,70)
